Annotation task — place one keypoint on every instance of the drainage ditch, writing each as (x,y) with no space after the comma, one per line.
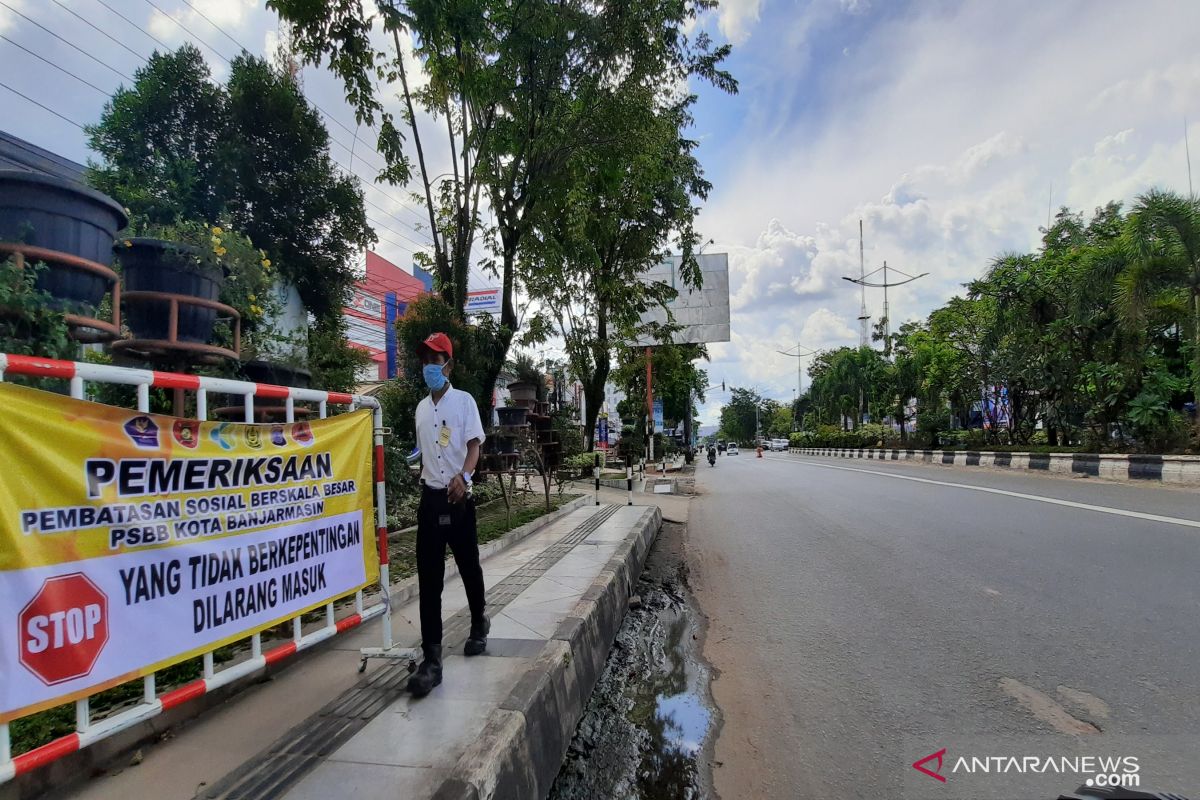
(648,728)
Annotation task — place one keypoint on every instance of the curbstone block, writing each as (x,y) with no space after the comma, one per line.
(1181,470)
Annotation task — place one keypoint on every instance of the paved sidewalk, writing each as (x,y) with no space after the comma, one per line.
(319,729)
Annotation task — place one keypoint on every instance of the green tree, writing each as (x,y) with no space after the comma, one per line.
(847,385)
(779,420)
(176,147)
(1160,285)
(630,200)
(678,382)
(163,142)
(516,87)
(741,416)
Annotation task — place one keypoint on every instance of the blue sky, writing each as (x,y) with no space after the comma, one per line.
(943,126)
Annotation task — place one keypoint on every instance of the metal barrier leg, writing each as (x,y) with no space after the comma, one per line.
(83,715)
(388,650)
(629,482)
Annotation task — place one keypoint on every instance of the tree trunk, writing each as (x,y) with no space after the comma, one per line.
(593,394)
(491,371)
(508,325)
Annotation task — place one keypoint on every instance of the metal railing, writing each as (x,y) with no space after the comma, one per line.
(89,731)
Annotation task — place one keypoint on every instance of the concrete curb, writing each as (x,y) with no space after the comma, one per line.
(66,771)
(1169,470)
(520,751)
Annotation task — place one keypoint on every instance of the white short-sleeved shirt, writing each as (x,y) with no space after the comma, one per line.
(458,412)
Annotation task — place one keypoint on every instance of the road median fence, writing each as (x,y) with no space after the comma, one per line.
(1164,469)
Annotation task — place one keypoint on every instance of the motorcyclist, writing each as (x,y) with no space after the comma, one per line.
(712,455)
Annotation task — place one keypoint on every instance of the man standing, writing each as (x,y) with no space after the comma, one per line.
(449,434)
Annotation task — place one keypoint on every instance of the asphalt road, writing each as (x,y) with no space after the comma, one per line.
(859,622)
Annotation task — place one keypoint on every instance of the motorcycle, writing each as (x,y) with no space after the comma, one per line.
(712,458)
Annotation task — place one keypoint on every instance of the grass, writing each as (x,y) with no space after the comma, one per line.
(45,726)
(492,522)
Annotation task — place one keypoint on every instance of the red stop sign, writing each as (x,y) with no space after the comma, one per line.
(63,628)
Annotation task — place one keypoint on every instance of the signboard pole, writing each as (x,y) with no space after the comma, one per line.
(649,406)
(390,336)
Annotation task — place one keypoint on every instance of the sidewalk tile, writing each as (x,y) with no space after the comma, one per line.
(347,780)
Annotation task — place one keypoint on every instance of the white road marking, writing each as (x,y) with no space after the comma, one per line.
(1120,512)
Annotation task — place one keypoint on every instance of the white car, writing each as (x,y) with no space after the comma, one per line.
(779,444)
(731,449)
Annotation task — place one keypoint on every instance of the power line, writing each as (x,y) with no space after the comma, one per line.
(104,92)
(39,105)
(330,117)
(181,27)
(240,46)
(243,48)
(64,41)
(98,29)
(349,171)
(369,183)
(474,272)
(160,42)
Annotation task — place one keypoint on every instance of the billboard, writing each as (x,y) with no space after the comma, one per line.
(995,406)
(703,313)
(132,541)
(483,301)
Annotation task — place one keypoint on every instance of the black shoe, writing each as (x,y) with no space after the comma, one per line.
(429,674)
(477,641)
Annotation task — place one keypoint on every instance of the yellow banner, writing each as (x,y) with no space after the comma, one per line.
(132,541)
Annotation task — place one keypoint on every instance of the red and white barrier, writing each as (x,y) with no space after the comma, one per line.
(78,374)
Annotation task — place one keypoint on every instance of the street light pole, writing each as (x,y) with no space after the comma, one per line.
(885,285)
(801,353)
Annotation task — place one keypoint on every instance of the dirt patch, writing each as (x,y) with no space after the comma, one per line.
(1046,709)
(648,726)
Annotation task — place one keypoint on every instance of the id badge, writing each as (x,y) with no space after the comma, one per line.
(444,437)
(444,520)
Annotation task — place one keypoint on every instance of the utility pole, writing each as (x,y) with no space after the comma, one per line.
(799,355)
(885,285)
(864,319)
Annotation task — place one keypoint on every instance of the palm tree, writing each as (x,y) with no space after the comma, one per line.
(1160,284)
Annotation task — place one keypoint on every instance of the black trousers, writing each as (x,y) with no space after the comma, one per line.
(441,523)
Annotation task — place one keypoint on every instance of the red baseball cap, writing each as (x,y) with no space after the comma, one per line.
(437,343)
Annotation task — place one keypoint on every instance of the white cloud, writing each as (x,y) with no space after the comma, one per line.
(944,134)
(736,17)
(9,19)
(1173,88)
(777,270)
(212,25)
(824,329)
(271,40)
